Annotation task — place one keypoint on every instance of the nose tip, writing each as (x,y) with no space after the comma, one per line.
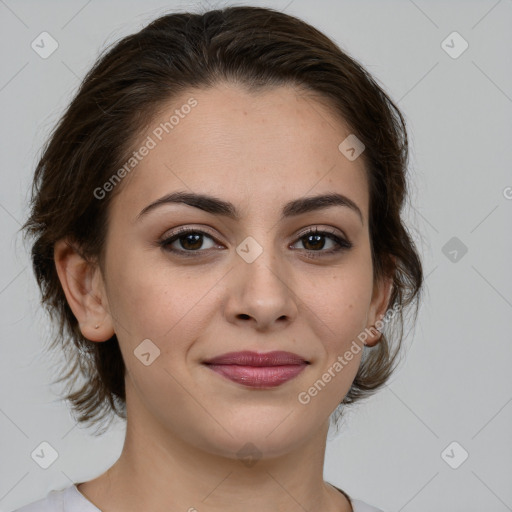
(259,294)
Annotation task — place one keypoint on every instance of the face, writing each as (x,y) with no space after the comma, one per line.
(260,281)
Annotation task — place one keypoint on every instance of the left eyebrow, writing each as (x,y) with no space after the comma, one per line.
(216,206)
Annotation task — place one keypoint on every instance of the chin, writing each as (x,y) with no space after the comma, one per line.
(251,441)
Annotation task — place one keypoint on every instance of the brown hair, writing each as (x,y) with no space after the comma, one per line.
(258,48)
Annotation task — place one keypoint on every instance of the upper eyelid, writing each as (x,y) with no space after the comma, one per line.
(329,230)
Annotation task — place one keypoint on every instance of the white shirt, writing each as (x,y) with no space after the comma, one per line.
(70,499)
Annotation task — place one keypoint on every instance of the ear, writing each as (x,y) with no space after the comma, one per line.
(83,286)
(382,290)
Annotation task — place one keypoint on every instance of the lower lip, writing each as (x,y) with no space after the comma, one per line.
(258,376)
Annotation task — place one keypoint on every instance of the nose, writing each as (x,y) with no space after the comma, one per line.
(260,294)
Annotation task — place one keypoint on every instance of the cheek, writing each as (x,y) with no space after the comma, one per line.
(159,301)
(337,304)
(339,300)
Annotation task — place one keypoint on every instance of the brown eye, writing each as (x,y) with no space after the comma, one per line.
(188,241)
(192,241)
(314,241)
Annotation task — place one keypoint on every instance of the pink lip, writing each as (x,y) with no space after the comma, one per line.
(258,370)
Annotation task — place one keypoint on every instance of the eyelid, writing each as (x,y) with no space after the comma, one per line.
(327,229)
(170,236)
(341,240)
(186,229)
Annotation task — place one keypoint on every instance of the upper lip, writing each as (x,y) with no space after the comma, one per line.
(248,358)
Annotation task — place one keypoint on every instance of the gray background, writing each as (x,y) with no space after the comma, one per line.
(455,382)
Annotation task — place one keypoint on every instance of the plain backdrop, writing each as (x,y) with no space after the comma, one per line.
(404,449)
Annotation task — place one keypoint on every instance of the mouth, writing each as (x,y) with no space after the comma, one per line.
(257,370)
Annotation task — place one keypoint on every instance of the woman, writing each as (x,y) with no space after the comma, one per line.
(217,230)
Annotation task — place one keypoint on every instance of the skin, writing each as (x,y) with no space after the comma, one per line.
(185,422)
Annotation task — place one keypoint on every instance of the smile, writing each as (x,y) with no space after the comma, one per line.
(256,370)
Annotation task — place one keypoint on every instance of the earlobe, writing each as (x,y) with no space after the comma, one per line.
(82,284)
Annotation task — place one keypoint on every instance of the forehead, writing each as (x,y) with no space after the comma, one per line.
(262,149)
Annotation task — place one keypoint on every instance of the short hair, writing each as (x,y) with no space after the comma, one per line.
(258,48)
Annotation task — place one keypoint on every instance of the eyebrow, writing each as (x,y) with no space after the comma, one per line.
(217,206)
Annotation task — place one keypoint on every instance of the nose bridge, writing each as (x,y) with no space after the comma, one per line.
(262,290)
(261,263)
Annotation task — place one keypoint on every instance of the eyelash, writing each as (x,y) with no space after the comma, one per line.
(343,245)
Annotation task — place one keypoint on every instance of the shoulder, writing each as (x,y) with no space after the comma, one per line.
(358,505)
(52,502)
(68,499)
(361,506)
